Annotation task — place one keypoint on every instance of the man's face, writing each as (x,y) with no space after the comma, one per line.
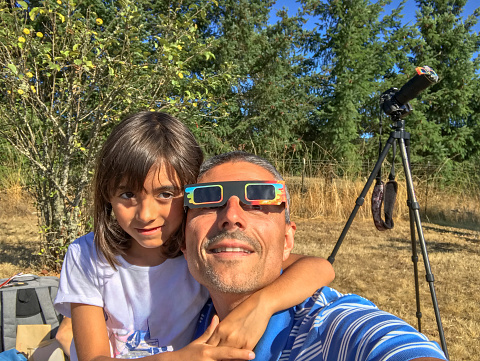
(237,248)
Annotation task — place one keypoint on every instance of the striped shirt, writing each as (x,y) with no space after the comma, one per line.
(331,326)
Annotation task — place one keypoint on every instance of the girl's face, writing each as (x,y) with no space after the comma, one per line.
(151,216)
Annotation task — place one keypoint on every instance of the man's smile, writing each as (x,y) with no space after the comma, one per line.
(234,243)
(230,249)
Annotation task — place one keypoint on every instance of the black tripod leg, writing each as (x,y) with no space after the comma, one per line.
(415,209)
(361,198)
(414,248)
(415,267)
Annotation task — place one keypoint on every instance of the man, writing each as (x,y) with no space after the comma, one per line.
(237,234)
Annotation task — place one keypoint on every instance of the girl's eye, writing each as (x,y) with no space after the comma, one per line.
(127,195)
(166,195)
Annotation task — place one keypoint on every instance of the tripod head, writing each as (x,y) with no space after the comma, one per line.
(394,102)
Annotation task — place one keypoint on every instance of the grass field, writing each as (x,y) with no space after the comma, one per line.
(376,265)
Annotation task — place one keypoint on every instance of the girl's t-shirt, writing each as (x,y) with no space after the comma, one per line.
(147,309)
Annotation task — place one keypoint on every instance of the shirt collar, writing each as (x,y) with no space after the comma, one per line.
(273,341)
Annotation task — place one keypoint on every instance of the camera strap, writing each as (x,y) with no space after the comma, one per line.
(385,194)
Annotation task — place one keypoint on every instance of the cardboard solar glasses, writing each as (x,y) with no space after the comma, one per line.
(216,194)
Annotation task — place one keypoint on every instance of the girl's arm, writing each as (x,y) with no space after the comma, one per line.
(90,332)
(301,278)
(64,335)
(92,344)
(245,325)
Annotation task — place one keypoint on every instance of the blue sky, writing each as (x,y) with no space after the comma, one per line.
(409,10)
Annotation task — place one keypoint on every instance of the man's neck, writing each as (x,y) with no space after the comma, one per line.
(225,302)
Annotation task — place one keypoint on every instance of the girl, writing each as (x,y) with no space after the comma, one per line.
(127,289)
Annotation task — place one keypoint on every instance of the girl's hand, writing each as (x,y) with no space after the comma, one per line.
(200,350)
(244,325)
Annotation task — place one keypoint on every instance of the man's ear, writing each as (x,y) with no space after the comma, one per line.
(289,239)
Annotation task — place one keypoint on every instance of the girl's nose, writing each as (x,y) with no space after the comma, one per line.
(146,210)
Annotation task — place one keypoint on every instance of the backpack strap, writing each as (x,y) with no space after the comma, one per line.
(46,304)
(9,318)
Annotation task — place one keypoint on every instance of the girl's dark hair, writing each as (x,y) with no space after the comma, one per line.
(138,143)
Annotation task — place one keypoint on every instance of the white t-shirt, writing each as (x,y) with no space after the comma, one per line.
(147,309)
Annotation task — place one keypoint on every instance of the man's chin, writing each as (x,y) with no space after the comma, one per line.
(230,283)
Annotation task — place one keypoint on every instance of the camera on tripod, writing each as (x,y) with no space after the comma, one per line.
(395,102)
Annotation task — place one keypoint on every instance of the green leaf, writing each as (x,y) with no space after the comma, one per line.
(33,13)
(13,68)
(209,55)
(23,4)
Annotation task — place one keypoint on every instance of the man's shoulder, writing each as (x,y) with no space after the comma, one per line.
(330,298)
(338,326)
(328,309)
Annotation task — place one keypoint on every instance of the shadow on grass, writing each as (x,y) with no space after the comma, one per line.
(454,219)
(459,227)
(431,245)
(457,231)
(22,255)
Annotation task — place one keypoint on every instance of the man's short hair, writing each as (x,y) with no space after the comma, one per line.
(240,156)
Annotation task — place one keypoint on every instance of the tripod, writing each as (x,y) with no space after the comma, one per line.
(403,139)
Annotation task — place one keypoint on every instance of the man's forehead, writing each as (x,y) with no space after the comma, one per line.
(235,171)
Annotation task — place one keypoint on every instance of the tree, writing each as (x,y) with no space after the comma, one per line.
(265,100)
(357,54)
(69,73)
(447,118)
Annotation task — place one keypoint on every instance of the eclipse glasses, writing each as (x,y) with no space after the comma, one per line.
(216,194)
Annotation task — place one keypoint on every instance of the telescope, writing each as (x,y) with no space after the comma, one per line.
(395,101)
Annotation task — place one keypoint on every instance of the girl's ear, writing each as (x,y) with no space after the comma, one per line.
(289,239)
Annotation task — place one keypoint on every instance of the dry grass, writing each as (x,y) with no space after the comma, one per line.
(374,264)
(19,236)
(20,241)
(335,198)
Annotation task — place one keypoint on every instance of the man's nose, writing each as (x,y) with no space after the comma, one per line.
(232,216)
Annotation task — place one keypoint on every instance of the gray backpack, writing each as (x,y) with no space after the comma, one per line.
(27,300)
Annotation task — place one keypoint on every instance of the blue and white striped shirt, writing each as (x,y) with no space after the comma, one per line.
(331,326)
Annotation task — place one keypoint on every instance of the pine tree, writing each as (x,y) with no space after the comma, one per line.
(266,100)
(446,122)
(356,53)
